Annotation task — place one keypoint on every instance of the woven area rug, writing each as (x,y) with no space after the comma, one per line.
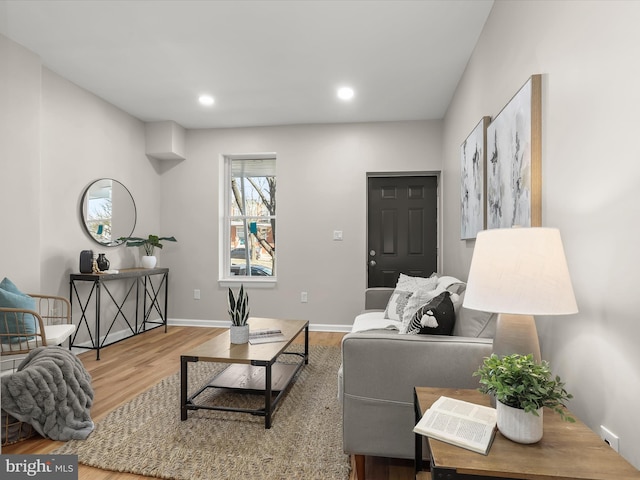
(145,436)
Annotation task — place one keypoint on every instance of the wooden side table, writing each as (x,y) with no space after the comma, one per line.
(566,451)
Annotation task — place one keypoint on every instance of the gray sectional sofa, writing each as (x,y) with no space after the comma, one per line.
(381,366)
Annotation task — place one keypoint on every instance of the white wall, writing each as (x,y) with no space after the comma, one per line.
(587,52)
(56,138)
(85,138)
(19,164)
(321,172)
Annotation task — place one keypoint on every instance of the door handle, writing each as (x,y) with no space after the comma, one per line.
(372,263)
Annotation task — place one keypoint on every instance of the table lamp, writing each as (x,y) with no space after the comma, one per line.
(518,273)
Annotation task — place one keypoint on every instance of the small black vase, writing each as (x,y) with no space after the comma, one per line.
(103,263)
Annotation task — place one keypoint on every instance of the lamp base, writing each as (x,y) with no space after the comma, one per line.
(516,334)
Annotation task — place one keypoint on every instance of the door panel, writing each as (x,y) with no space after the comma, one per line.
(402,228)
(389,228)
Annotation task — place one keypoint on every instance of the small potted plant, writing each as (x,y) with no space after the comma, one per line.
(522,387)
(149,244)
(239,313)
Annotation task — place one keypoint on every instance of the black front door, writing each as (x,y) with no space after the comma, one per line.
(402,228)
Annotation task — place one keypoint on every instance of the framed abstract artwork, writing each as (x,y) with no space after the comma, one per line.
(514,160)
(473,160)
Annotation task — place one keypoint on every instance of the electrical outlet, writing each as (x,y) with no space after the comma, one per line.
(337,235)
(304,298)
(609,437)
(196,294)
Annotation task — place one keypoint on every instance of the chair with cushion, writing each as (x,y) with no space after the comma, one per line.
(31,321)
(27,322)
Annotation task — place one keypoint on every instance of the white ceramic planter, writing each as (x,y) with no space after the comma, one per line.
(518,425)
(148,261)
(239,333)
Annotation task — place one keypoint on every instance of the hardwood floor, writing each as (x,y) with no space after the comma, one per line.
(130,367)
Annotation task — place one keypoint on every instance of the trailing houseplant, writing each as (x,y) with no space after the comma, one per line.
(239,314)
(149,244)
(524,387)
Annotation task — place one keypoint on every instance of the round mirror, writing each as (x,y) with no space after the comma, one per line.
(108,211)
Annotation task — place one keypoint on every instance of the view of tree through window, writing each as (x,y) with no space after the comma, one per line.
(252,219)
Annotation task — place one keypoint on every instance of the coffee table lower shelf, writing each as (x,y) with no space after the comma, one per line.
(249,378)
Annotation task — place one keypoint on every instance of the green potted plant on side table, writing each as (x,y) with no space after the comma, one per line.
(239,313)
(149,244)
(522,387)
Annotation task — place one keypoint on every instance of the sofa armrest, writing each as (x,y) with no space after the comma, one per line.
(376,298)
(387,366)
(379,372)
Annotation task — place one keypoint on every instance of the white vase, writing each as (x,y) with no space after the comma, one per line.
(239,334)
(148,261)
(518,425)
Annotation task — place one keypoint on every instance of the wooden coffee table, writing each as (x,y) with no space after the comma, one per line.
(254,368)
(566,451)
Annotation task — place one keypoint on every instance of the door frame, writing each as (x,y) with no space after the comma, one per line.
(439,236)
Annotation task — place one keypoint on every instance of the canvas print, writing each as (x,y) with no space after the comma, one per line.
(472,181)
(513,161)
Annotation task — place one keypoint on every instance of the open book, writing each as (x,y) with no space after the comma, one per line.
(460,423)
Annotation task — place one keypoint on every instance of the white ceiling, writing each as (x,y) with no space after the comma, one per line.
(265,62)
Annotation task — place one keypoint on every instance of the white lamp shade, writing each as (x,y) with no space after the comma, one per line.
(520,271)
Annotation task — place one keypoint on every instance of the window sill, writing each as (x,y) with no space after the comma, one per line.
(254,282)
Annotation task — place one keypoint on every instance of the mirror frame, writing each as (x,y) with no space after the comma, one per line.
(83,213)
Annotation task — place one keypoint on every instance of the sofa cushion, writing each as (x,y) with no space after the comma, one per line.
(436,317)
(16,323)
(475,323)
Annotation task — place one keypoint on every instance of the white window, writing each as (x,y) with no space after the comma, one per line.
(249,230)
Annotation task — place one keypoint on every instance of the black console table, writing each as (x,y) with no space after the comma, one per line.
(139,281)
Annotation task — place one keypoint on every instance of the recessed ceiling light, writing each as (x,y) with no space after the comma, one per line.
(206,100)
(345,93)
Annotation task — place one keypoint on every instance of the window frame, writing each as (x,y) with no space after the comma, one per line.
(225,277)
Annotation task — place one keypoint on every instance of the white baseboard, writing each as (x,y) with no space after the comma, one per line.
(183,322)
(313,327)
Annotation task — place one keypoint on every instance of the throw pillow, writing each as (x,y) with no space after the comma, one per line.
(415,301)
(452,284)
(397,303)
(412,284)
(9,286)
(16,323)
(405,288)
(434,318)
